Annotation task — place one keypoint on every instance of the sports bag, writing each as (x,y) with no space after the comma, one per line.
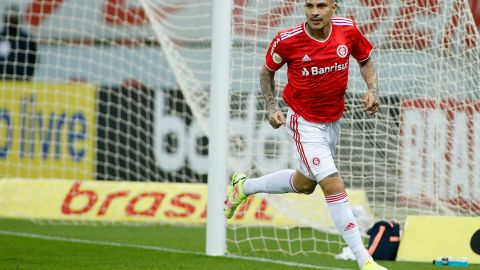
(384,240)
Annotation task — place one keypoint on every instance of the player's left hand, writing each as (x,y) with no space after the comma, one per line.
(276,118)
(370,102)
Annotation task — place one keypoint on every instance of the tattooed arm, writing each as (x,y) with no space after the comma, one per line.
(267,84)
(369,75)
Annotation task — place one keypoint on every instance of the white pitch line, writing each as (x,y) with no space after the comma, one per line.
(162,249)
(258,259)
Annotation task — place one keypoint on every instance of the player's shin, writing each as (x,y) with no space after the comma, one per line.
(274,183)
(347,225)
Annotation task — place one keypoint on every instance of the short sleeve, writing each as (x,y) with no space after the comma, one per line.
(361,46)
(275,57)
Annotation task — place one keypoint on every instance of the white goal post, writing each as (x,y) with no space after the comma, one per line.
(219,116)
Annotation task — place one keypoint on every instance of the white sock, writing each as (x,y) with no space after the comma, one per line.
(277,182)
(347,225)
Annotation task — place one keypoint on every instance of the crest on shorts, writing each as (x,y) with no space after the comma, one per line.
(316,161)
(342,51)
(277,58)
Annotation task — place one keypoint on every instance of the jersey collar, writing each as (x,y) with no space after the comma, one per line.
(321,41)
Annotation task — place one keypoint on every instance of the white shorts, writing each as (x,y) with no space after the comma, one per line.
(315,144)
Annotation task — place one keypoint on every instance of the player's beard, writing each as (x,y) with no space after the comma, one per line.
(321,26)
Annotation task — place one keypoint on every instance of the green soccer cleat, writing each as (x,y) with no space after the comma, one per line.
(372,265)
(236,196)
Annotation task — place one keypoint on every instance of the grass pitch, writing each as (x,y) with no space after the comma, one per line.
(29,245)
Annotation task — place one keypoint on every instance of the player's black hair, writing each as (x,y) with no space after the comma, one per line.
(334,1)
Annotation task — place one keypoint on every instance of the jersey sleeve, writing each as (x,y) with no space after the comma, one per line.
(361,46)
(275,57)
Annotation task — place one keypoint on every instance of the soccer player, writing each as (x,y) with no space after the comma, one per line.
(317,55)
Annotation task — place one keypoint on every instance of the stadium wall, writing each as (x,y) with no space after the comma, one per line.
(152,155)
(182,203)
(115,64)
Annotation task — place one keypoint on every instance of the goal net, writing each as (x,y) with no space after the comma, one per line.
(119,90)
(416,156)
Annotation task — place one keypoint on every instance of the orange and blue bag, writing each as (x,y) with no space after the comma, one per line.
(384,240)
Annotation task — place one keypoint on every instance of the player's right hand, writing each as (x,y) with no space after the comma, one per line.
(276,119)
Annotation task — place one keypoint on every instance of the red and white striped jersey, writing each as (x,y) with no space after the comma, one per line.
(317,70)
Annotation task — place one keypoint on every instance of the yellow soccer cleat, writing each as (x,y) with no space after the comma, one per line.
(372,265)
(236,196)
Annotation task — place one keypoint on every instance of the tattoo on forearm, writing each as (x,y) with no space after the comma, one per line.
(267,83)
(369,75)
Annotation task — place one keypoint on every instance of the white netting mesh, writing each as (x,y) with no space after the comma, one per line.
(414,157)
(141,126)
(138,109)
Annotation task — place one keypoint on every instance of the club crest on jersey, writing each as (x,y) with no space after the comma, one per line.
(342,51)
(276,58)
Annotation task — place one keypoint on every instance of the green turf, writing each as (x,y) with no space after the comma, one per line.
(22,252)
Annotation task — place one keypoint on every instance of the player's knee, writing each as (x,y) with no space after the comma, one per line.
(303,184)
(307,188)
(332,184)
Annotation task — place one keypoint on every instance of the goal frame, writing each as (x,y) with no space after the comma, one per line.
(218,126)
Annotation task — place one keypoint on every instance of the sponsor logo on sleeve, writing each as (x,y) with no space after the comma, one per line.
(276,58)
(274,45)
